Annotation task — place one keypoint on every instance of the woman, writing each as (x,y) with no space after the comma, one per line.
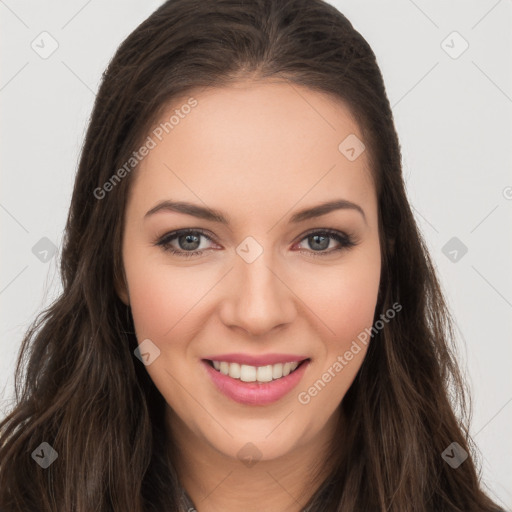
(296,356)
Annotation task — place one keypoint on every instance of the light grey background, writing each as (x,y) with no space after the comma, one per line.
(453,117)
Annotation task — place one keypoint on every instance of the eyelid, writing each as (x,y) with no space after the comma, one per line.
(346,239)
(329,231)
(171,235)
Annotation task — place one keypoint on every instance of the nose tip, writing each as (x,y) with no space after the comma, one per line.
(258,300)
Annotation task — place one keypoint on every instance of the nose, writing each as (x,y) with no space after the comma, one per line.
(258,297)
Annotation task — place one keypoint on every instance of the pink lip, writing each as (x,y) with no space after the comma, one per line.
(255,393)
(262,360)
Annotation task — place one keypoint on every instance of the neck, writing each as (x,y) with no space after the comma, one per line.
(216,482)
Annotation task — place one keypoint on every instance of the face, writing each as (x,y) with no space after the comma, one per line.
(256,280)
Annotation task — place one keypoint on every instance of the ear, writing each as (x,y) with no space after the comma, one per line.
(121,287)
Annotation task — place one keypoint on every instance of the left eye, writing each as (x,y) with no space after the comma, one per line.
(189,242)
(322,239)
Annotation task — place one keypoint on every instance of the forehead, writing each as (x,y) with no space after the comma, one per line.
(255,145)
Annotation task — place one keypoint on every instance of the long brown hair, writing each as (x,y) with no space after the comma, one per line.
(78,385)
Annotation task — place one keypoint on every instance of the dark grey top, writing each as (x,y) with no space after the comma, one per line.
(187,505)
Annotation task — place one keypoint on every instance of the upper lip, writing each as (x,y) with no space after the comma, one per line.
(261,360)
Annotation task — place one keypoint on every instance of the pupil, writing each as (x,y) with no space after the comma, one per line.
(323,246)
(192,239)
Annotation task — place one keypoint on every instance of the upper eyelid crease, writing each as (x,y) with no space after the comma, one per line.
(206,213)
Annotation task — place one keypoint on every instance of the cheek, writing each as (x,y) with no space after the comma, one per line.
(165,304)
(342,297)
(161,297)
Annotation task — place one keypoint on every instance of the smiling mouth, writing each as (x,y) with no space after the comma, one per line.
(248,373)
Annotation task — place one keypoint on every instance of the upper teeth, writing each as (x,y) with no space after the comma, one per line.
(247,373)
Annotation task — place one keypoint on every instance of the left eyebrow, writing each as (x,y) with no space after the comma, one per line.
(324,208)
(213,215)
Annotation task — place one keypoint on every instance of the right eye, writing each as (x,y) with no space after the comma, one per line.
(187,239)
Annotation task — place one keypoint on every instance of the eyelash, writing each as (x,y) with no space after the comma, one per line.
(346,241)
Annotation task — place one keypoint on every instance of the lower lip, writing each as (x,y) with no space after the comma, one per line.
(255,393)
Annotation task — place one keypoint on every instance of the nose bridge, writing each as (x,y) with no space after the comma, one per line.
(259,299)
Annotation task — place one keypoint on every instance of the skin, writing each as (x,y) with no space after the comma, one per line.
(258,151)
